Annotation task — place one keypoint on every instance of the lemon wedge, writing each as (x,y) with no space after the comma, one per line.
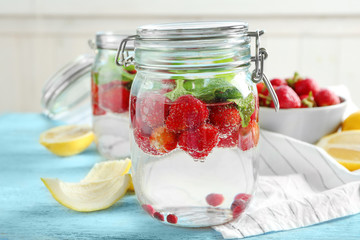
(67,140)
(108,170)
(344,147)
(88,197)
(352,122)
(131,187)
(105,184)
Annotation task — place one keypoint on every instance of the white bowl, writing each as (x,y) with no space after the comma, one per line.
(306,124)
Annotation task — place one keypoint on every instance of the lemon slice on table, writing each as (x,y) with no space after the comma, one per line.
(344,147)
(105,184)
(67,140)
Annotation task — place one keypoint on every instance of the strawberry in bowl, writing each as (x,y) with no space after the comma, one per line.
(307,112)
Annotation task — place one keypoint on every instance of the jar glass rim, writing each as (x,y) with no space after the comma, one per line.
(181,30)
(111,40)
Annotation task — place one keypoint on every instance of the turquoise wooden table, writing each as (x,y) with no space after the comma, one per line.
(27,210)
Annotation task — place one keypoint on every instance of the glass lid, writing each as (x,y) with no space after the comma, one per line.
(66,96)
(192,30)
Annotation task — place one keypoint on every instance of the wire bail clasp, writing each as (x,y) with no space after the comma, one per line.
(258,73)
(120,58)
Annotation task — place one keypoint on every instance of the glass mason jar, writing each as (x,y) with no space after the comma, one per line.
(110,89)
(194,121)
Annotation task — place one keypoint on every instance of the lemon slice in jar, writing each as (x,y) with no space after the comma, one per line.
(67,140)
(105,184)
(344,147)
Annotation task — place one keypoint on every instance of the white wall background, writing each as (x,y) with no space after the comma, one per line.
(320,39)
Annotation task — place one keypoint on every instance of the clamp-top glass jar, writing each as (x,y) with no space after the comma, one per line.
(110,88)
(194,121)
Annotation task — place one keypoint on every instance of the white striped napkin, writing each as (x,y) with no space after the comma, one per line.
(299,185)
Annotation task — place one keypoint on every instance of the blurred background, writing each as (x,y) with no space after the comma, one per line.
(319,39)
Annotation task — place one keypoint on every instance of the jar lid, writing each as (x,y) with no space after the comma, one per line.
(111,40)
(66,95)
(192,30)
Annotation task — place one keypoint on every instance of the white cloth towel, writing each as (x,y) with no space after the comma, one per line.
(299,185)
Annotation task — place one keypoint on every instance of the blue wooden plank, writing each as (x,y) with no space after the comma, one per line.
(27,210)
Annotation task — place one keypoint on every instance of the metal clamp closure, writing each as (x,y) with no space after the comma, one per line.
(260,56)
(128,60)
(258,73)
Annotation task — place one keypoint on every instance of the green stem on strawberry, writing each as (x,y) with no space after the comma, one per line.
(246,107)
(308,101)
(291,81)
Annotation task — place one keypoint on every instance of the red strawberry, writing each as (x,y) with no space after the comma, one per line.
(143,142)
(153,109)
(239,204)
(325,97)
(168,85)
(133,100)
(159,216)
(148,208)
(302,86)
(186,112)
(225,117)
(163,140)
(214,199)
(229,140)
(97,110)
(136,120)
(249,136)
(238,208)
(199,142)
(143,127)
(260,87)
(287,97)
(165,90)
(170,82)
(255,115)
(243,196)
(307,101)
(263,94)
(116,99)
(277,82)
(107,86)
(172,218)
(305,86)
(132,71)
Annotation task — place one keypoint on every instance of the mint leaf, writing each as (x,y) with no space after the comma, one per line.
(110,72)
(95,76)
(178,91)
(130,68)
(224,60)
(246,107)
(214,90)
(207,90)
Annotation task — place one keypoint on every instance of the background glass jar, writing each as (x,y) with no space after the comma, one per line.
(194,121)
(110,88)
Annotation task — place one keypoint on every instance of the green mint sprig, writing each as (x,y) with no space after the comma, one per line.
(246,107)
